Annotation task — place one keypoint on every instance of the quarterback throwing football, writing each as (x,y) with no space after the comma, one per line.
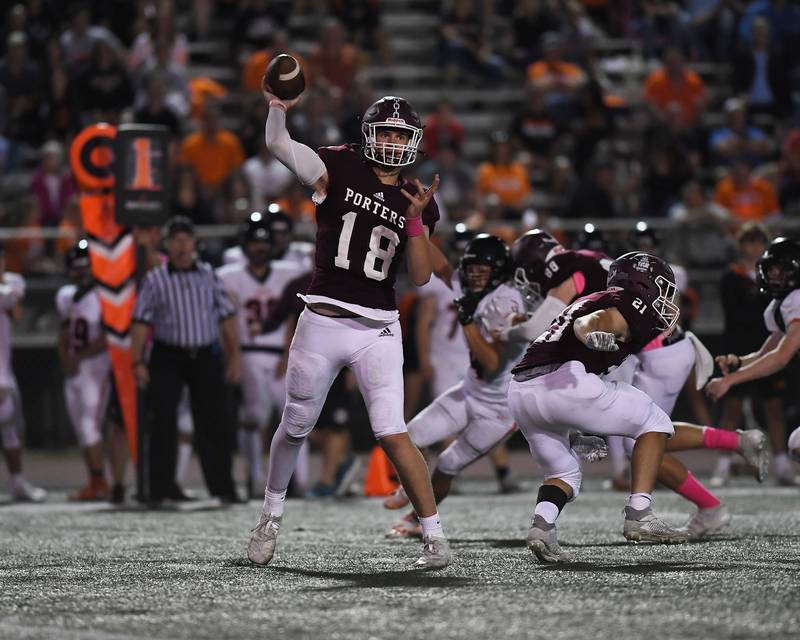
(368,218)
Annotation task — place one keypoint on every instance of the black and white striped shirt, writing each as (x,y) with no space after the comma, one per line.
(184,307)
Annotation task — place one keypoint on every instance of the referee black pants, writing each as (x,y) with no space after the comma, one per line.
(201,370)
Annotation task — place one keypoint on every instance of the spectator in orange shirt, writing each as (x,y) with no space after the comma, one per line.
(505,179)
(675,86)
(333,61)
(213,152)
(745,196)
(558,81)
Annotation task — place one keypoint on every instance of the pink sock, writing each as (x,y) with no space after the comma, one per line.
(695,492)
(720,439)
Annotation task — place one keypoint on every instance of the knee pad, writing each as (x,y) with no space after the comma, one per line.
(89,433)
(9,436)
(386,415)
(457,457)
(298,420)
(573,478)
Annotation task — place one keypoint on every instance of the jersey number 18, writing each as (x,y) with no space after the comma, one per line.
(379,259)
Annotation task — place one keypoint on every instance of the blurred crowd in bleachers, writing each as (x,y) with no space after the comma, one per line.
(682,110)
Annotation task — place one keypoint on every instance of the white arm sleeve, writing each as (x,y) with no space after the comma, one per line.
(539,322)
(298,158)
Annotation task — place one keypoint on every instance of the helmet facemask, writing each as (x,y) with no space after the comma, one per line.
(775,278)
(664,305)
(390,154)
(531,291)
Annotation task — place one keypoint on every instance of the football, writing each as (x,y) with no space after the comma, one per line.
(284,77)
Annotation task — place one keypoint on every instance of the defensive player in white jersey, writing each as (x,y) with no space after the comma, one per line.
(368,218)
(86,366)
(284,248)
(442,348)
(255,287)
(778,274)
(12,291)
(474,410)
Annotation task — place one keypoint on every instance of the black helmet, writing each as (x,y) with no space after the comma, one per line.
(391,112)
(78,256)
(783,253)
(591,238)
(459,239)
(255,229)
(650,278)
(281,227)
(530,253)
(488,250)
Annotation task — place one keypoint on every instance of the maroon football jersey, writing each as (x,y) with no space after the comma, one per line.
(592,264)
(361,234)
(559,344)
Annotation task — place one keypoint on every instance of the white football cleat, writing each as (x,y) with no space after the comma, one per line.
(543,542)
(753,448)
(264,538)
(396,500)
(408,527)
(24,491)
(707,521)
(647,527)
(435,554)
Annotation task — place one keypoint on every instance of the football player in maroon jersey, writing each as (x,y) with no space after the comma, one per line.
(368,218)
(552,277)
(558,388)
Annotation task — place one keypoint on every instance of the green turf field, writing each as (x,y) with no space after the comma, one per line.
(90,572)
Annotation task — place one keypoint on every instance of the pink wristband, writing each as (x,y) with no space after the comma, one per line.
(277,103)
(414,227)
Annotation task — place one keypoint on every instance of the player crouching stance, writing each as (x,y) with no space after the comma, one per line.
(368,217)
(778,274)
(557,388)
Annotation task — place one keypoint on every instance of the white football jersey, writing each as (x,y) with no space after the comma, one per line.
(789,310)
(84,315)
(494,314)
(254,299)
(12,290)
(447,342)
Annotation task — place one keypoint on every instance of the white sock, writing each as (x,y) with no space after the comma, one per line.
(182,464)
(781,463)
(547,510)
(17,481)
(431,526)
(274,502)
(640,501)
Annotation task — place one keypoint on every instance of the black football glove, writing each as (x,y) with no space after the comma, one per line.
(465,307)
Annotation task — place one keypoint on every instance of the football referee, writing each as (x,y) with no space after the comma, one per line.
(193,326)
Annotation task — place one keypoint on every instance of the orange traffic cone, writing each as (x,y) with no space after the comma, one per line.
(381,477)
